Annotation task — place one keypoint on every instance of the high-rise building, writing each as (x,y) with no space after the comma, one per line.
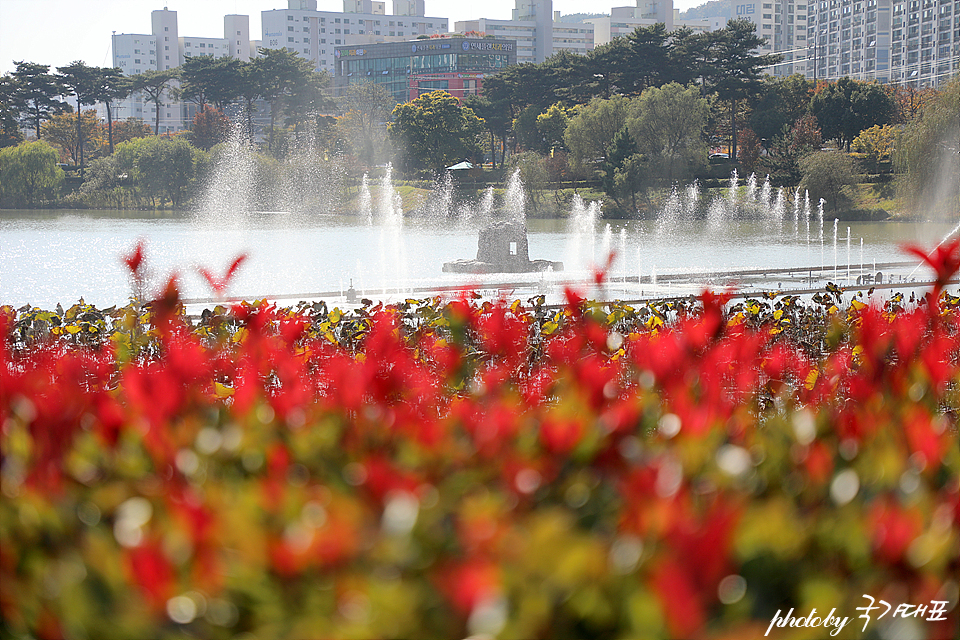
(783,25)
(538,37)
(313,34)
(924,42)
(914,42)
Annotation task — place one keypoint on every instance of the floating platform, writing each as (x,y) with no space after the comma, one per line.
(502,248)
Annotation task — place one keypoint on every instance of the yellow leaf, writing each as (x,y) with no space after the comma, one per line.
(811,379)
(240,335)
(335,316)
(222,391)
(73,329)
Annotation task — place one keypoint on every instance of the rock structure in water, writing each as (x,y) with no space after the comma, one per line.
(502,248)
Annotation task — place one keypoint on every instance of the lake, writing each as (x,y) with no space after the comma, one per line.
(51,257)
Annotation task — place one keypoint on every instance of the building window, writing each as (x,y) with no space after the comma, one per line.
(289,28)
(166,28)
(289,39)
(289,17)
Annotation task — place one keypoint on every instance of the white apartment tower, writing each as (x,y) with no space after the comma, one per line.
(165,49)
(314,34)
(925,42)
(850,38)
(783,24)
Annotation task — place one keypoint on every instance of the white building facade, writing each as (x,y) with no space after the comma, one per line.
(165,49)
(313,34)
(539,33)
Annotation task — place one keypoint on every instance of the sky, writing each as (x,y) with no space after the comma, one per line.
(57,32)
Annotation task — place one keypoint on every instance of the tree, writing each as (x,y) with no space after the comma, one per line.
(590,132)
(155,85)
(750,150)
(308,99)
(197,75)
(846,107)
(162,168)
(434,131)
(669,130)
(909,101)
(280,73)
(928,157)
(111,85)
(551,125)
(36,93)
(61,131)
(826,174)
(496,119)
(83,81)
(130,129)
(10,134)
(367,107)
(210,127)
(735,71)
(781,103)
(783,161)
(30,175)
(622,171)
(648,60)
(876,144)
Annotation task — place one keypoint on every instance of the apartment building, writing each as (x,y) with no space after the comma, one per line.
(925,42)
(783,25)
(622,21)
(314,34)
(914,42)
(165,49)
(539,33)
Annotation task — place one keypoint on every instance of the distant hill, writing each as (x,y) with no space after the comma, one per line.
(712,9)
(580,17)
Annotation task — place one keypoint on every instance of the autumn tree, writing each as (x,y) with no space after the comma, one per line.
(61,131)
(846,107)
(210,127)
(876,145)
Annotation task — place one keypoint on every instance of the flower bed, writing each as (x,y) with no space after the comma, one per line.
(445,469)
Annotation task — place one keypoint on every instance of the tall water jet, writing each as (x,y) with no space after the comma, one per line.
(806,211)
(671,213)
(390,218)
(766,194)
(485,212)
(365,201)
(693,198)
(606,243)
(583,221)
(515,199)
(440,203)
(231,188)
(751,188)
(835,266)
(848,254)
(779,206)
(796,211)
(733,191)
